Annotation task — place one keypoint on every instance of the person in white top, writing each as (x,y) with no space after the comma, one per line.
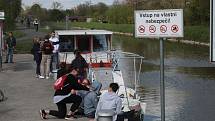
(36,24)
(55,42)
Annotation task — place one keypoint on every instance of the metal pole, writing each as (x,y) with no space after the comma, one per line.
(1,43)
(162,84)
(66,22)
(135,75)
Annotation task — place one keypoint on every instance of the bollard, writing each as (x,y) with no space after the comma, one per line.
(105,115)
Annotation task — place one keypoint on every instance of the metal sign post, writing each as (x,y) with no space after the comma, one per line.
(1,37)
(212,29)
(1,45)
(162,83)
(159,24)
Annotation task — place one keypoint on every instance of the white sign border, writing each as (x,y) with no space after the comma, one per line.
(159,11)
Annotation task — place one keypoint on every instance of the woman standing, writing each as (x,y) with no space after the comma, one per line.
(37,54)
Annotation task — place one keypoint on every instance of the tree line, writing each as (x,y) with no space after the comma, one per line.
(196,12)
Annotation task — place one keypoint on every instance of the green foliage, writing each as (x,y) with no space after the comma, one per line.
(197,33)
(37,12)
(120,14)
(84,9)
(12,9)
(56,15)
(56,5)
(199,12)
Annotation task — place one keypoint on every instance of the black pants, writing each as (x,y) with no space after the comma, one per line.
(126,115)
(62,110)
(38,69)
(38,58)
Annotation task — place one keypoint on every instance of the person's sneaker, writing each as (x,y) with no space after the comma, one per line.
(43,114)
(47,77)
(41,77)
(70,117)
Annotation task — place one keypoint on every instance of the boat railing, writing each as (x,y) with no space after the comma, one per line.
(115,57)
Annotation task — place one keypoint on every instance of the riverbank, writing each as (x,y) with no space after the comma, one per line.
(195,35)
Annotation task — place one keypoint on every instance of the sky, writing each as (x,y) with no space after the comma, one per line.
(67,4)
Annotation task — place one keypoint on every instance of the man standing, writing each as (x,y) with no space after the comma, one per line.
(55,42)
(110,101)
(10,45)
(36,24)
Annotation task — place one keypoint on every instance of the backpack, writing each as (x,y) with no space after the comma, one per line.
(47,47)
(59,83)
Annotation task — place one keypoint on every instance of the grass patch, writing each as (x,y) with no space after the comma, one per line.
(127,28)
(197,33)
(24,46)
(18,34)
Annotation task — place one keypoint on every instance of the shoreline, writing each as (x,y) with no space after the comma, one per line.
(191,42)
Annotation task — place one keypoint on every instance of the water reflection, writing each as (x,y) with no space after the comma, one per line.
(189,77)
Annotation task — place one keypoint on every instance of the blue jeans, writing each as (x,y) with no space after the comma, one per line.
(9,55)
(54,61)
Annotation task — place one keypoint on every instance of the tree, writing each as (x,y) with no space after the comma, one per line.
(98,11)
(84,9)
(120,14)
(56,15)
(56,5)
(12,9)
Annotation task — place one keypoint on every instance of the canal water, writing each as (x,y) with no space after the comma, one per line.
(189,79)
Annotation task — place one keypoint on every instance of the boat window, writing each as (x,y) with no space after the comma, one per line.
(66,43)
(99,43)
(83,43)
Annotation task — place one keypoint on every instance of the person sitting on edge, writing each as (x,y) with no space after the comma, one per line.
(80,63)
(65,96)
(89,98)
(110,101)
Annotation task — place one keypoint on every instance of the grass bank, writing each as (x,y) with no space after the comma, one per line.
(195,33)
(18,34)
(24,46)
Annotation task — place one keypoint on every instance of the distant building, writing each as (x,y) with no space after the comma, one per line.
(77,18)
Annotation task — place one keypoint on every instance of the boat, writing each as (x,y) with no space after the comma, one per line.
(104,63)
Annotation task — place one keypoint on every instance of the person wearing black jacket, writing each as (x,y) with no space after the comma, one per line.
(64,96)
(80,63)
(37,54)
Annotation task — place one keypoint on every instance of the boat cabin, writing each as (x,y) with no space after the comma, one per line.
(93,45)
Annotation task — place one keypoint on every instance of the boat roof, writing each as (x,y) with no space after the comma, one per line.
(83,32)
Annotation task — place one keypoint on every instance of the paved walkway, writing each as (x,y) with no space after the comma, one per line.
(26,94)
(29,32)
